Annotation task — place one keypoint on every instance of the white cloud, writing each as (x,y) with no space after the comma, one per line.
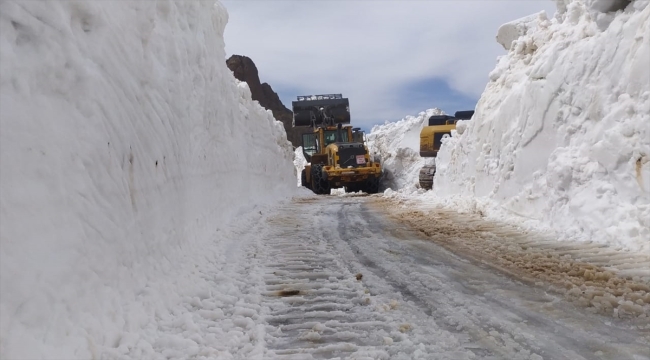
(368,49)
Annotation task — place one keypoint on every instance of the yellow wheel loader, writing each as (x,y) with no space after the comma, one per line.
(338,155)
(431,140)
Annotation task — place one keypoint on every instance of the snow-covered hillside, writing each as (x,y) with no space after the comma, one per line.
(561,134)
(126,146)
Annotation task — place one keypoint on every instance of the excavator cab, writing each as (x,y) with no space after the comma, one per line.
(431,140)
(438,126)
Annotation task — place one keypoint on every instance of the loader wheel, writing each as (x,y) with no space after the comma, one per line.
(303,179)
(319,185)
(372,185)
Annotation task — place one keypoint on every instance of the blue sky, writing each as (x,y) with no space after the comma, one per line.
(389,58)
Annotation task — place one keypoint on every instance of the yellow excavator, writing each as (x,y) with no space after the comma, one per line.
(338,155)
(431,140)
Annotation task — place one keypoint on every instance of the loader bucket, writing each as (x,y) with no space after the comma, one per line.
(316,107)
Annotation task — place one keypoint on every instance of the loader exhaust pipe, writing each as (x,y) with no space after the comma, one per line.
(339,133)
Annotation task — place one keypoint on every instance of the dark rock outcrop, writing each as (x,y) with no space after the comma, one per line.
(244,69)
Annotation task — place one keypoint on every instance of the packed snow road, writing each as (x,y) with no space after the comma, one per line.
(361,277)
(340,280)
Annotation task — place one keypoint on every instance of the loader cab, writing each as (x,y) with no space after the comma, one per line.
(316,142)
(309,145)
(330,137)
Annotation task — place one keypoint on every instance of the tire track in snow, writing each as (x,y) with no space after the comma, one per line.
(415,299)
(595,276)
(317,308)
(502,318)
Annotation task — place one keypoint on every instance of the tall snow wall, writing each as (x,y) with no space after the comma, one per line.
(125,144)
(561,133)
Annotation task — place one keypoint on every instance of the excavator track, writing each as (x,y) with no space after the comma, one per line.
(426,177)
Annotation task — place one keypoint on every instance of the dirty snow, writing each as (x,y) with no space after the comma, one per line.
(594,276)
(128,153)
(560,140)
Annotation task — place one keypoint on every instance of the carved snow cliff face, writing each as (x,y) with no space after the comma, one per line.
(126,142)
(561,132)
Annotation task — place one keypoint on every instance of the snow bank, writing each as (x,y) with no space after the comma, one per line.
(126,143)
(299,163)
(397,146)
(511,31)
(561,134)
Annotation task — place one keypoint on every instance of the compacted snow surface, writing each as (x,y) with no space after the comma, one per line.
(561,135)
